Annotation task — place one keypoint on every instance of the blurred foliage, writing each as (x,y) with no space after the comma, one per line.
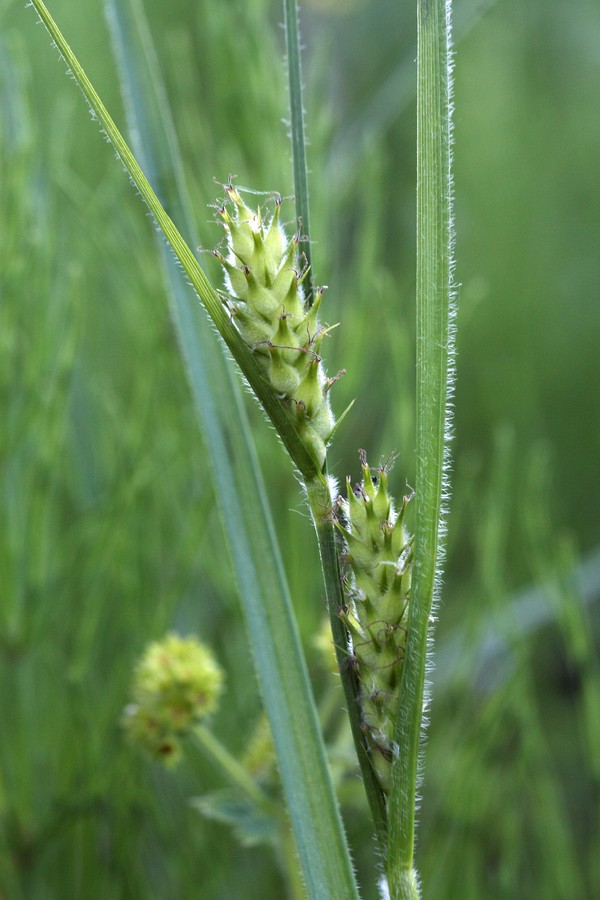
(107,532)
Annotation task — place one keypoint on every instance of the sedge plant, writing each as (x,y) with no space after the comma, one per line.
(380,580)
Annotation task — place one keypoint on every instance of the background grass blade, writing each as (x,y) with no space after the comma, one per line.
(386,104)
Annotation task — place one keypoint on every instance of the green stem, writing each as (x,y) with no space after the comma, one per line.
(231,767)
(319,500)
(435,352)
(297,132)
(235,773)
(317,489)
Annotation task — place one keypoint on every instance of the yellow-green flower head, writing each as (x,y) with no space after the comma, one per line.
(378,553)
(176,684)
(264,275)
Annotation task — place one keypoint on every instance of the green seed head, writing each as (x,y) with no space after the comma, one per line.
(379,559)
(263,276)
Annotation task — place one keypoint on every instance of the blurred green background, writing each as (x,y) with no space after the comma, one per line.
(108,531)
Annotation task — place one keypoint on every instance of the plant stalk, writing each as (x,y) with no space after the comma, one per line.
(297,132)
(320,503)
(231,767)
(317,489)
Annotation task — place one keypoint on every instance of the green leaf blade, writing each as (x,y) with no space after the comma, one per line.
(435,372)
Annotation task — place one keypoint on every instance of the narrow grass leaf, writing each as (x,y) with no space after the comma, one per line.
(435,306)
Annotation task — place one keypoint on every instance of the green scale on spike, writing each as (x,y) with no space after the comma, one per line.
(379,558)
(264,278)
